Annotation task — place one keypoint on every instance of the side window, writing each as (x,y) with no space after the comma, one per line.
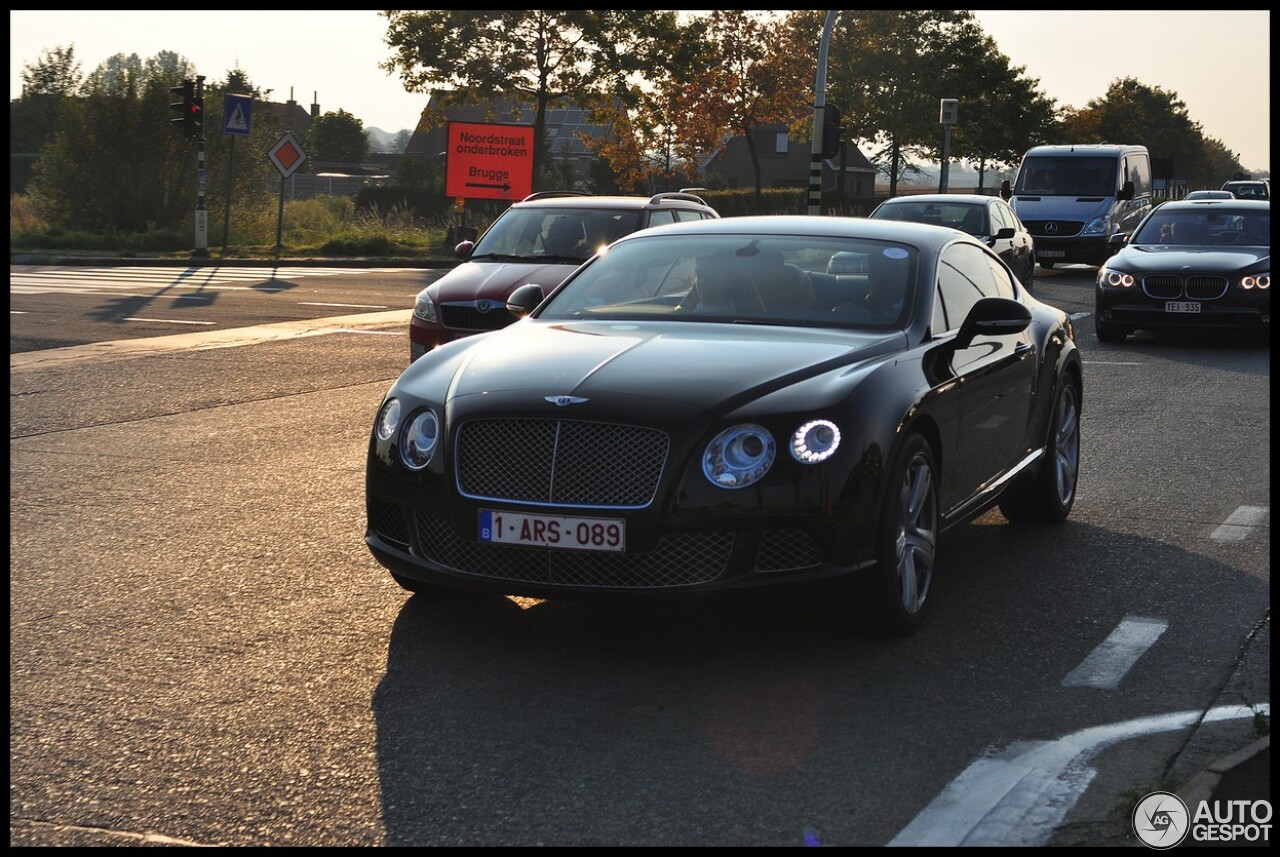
(999,217)
(684,216)
(1001,286)
(960,270)
(662,217)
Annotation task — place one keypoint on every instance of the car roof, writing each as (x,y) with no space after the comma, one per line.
(1197,204)
(569,199)
(940,197)
(917,234)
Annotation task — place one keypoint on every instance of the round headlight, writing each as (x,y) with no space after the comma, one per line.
(1115,279)
(1257,281)
(419,440)
(388,419)
(815,441)
(739,456)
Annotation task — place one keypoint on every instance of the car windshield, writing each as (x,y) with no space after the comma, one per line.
(1208,227)
(565,235)
(966,217)
(1081,176)
(1248,190)
(745,278)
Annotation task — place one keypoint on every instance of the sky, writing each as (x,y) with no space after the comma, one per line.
(332,58)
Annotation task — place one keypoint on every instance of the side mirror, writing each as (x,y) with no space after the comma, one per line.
(993,317)
(1126,192)
(463,249)
(1007,232)
(1006,190)
(525,299)
(1118,240)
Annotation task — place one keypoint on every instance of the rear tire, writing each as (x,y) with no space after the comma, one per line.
(906,541)
(1044,264)
(1048,498)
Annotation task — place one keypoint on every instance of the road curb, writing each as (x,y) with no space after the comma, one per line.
(1205,785)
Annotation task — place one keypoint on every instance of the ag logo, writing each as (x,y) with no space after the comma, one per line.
(1161,820)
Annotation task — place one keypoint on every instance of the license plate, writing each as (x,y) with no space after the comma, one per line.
(553,531)
(1182,306)
(1051,254)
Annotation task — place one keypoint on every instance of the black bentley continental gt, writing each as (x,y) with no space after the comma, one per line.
(1202,264)
(706,408)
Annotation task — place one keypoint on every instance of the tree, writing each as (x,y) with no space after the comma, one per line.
(47,85)
(535,56)
(755,80)
(1135,113)
(337,136)
(1002,112)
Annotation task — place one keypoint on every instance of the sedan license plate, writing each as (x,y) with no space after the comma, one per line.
(553,531)
(1182,306)
(1051,254)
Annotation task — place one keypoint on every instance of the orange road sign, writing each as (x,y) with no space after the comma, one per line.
(487,160)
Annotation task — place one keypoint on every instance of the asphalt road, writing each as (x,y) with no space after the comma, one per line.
(203,652)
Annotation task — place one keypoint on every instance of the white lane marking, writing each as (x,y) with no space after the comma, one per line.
(128,349)
(1107,664)
(1020,795)
(348,306)
(97,280)
(17,312)
(1241,524)
(165,320)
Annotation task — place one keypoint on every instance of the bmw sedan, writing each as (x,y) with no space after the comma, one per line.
(1199,264)
(704,408)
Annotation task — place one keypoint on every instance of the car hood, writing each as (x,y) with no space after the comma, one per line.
(1162,257)
(1082,208)
(496,280)
(698,366)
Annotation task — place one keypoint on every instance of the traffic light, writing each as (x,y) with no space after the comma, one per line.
(832,131)
(187,92)
(196,115)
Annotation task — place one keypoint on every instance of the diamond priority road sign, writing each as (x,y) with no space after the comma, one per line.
(287,154)
(489,161)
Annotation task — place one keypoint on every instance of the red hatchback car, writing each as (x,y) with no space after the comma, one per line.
(541,239)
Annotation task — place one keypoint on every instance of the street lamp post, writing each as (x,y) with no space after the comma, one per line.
(819,108)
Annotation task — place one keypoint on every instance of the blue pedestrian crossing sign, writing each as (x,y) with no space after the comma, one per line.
(237,112)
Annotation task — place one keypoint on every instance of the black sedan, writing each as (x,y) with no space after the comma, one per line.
(1200,264)
(987,218)
(703,408)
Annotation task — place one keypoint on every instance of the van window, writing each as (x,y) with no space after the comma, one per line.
(1138,170)
(1051,176)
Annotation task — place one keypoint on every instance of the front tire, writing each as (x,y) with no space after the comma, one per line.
(1110,333)
(1048,498)
(906,541)
(1043,263)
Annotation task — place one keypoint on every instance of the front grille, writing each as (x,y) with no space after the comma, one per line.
(467,317)
(390,523)
(1065,228)
(560,462)
(1199,287)
(786,550)
(678,560)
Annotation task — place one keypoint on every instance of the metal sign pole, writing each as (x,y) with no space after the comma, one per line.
(226,212)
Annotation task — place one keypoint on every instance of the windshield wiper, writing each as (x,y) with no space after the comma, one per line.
(503,257)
